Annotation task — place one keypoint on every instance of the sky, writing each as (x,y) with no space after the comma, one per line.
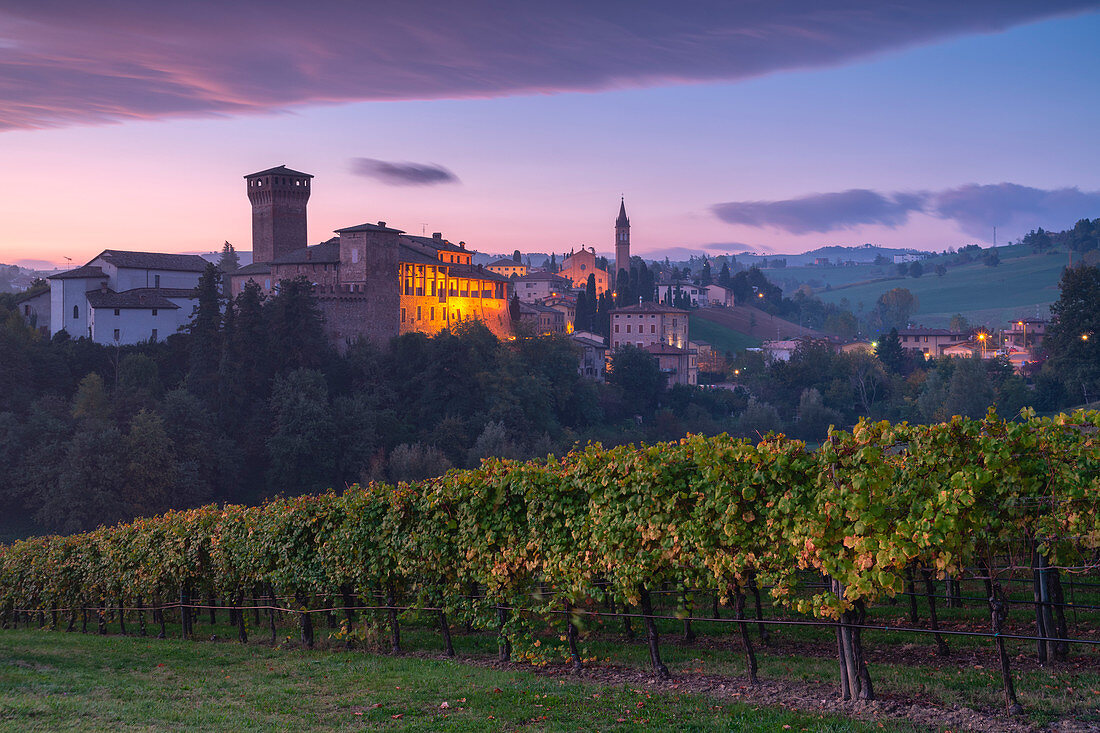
(727,126)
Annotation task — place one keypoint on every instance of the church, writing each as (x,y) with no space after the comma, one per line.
(371,280)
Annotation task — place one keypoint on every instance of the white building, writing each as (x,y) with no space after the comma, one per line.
(125,297)
(666,292)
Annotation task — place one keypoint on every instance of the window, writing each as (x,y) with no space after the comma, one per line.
(116,334)
(76,311)
(154,311)
(156,281)
(402,315)
(652,328)
(26,310)
(628,328)
(616,328)
(116,311)
(153,336)
(418,313)
(354,254)
(433,310)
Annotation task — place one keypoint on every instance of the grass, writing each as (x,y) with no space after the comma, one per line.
(722,339)
(55,681)
(1022,283)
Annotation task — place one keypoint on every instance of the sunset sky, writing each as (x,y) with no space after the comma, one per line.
(728,126)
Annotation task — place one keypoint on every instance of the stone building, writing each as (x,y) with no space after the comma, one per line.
(507,268)
(371,281)
(662,331)
(622,240)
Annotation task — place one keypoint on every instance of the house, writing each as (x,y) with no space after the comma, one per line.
(567,304)
(507,267)
(667,290)
(537,286)
(929,341)
(719,295)
(123,297)
(542,319)
(677,364)
(1025,333)
(34,306)
(593,357)
(649,323)
(780,350)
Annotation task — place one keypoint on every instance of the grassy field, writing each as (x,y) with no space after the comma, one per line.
(720,337)
(52,681)
(1022,285)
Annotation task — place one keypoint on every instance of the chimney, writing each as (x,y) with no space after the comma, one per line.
(462,245)
(437,235)
(382,224)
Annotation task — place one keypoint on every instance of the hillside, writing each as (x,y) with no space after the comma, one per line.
(1024,284)
(748,327)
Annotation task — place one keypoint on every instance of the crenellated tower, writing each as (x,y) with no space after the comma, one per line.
(279,196)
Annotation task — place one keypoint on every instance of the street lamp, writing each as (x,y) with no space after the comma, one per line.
(981,337)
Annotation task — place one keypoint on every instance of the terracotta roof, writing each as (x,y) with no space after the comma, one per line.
(506,262)
(415,256)
(87,271)
(281,170)
(928,332)
(658,349)
(549,276)
(147,298)
(649,308)
(436,244)
(475,271)
(537,308)
(256,268)
(585,341)
(326,252)
(379,227)
(152,260)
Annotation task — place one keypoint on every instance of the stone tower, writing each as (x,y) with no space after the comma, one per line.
(279,197)
(622,240)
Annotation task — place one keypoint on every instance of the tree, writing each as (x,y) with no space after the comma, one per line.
(916,269)
(991,258)
(1073,338)
(1038,240)
(705,278)
(890,352)
(970,393)
(514,311)
(959,324)
(894,307)
(903,268)
(205,331)
(516,256)
(294,326)
(150,481)
(759,419)
(724,275)
(302,446)
(941,270)
(814,418)
(636,373)
(228,263)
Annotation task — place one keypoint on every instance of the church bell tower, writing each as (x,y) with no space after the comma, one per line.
(622,240)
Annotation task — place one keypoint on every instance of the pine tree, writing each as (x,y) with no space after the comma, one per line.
(205,331)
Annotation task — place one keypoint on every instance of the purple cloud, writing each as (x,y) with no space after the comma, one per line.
(68,62)
(823,212)
(402,174)
(975,208)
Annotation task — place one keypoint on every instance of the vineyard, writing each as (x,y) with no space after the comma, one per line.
(704,531)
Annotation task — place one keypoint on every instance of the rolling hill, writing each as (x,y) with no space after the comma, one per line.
(737,328)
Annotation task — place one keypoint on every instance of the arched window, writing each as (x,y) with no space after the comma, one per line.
(76,311)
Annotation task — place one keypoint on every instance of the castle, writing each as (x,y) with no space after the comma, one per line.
(371,281)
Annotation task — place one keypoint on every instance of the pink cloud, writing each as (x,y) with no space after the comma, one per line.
(66,62)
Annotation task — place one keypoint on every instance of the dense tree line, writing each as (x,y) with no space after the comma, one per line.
(251,400)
